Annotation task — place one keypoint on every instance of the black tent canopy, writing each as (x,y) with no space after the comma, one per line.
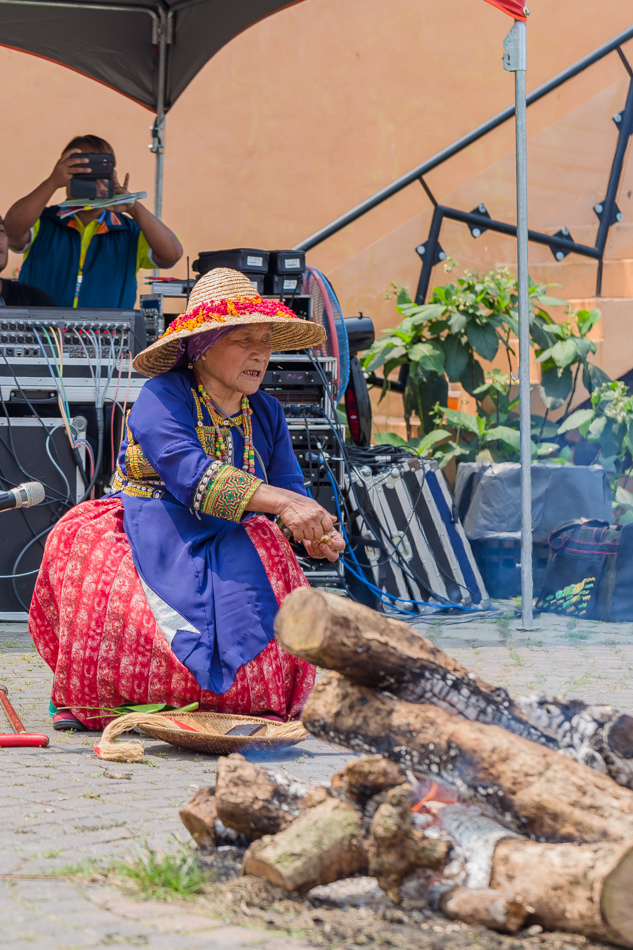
(149,50)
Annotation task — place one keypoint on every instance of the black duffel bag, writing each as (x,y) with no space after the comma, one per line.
(590,571)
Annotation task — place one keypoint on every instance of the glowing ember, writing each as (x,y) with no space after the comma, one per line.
(433,792)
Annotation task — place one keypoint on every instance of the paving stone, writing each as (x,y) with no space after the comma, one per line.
(61,808)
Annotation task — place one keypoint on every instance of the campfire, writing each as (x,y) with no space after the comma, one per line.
(493,812)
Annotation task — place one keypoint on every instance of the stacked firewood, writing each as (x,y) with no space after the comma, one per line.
(513,828)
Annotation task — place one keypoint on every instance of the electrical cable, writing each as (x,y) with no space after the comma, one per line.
(383,594)
(343,449)
(12,450)
(404,567)
(127,392)
(57,376)
(393,552)
(53,462)
(376,590)
(115,403)
(64,407)
(403,455)
(309,456)
(15,574)
(9,577)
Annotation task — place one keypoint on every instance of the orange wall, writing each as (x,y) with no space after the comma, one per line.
(315,108)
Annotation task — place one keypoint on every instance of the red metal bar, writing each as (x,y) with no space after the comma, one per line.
(22,740)
(21,737)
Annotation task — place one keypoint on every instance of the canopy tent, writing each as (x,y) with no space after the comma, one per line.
(149,50)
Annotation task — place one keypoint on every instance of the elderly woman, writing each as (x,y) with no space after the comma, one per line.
(167,589)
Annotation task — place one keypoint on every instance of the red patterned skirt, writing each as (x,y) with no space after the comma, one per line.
(90,621)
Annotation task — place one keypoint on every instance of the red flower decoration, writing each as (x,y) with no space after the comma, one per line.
(216,311)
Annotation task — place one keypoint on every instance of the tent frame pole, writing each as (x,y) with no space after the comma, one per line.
(158,129)
(515,60)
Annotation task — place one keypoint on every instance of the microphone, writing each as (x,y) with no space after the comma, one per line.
(24,496)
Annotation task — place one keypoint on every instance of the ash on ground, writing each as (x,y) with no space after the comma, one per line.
(355,913)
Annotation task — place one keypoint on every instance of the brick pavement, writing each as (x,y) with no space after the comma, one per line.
(61,806)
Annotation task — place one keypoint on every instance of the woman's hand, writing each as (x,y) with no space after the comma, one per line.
(305,518)
(326,549)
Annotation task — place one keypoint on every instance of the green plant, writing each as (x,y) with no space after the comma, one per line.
(160,874)
(606,438)
(443,341)
(562,351)
(475,319)
(492,435)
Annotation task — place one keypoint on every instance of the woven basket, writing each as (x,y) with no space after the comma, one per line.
(198,731)
(211,728)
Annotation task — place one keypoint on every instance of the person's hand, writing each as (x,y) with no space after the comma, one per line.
(71,163)
(122,189)
(326,549)
(306,519)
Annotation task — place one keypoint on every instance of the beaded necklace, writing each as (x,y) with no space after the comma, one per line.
(221,452)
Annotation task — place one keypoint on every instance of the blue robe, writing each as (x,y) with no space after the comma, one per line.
(205,568)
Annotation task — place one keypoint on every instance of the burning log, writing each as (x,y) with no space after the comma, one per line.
(254,801)
(483,907)
(374,650)
(364,778)
(533,790)
(396,847)
(324,844)
(585,889)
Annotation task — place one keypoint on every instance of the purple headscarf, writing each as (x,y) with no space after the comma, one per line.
(193,347)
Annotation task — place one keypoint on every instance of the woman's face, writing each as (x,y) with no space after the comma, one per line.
(238,361)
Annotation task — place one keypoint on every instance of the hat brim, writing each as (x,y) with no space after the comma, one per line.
(287,334)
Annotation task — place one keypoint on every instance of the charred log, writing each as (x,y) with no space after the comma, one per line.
(599,736)
(321,846)
(532,790)
(374,650)
(254,801)
(396,847)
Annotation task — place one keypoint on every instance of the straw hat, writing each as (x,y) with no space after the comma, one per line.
(224,298)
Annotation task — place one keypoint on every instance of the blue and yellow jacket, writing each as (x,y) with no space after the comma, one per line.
(93,266)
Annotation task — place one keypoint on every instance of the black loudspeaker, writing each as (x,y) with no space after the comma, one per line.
(32,450)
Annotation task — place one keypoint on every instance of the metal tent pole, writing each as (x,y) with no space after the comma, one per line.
(158,129)
(515,60)
(158,147)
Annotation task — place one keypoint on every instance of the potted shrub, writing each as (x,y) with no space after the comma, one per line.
(474,319)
